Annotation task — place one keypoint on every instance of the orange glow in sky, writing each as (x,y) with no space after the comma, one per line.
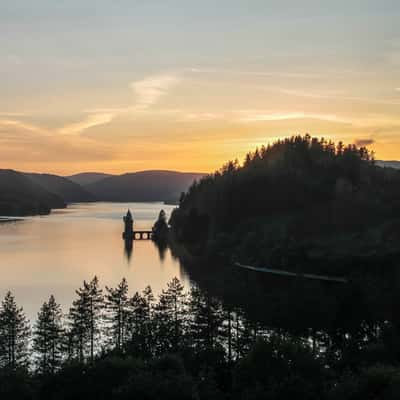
(146,85)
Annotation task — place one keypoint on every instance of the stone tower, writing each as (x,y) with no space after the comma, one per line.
(128,221)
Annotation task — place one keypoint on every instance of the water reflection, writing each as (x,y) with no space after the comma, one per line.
(53,254)
(128,249)
(162,247)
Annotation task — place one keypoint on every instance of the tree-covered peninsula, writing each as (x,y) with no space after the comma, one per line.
(296,202)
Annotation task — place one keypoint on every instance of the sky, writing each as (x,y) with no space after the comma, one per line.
(129,85)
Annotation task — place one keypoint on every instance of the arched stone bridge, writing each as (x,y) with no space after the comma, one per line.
(142,235)
(138,235)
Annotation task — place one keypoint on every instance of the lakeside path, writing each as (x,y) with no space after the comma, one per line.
(293,274)
(9,219)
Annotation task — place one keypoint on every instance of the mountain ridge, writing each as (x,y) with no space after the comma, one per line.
(148,185)
(68,190)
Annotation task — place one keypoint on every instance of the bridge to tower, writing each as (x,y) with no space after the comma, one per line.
(130,234)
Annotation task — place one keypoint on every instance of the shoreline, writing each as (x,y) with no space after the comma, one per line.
(9,219)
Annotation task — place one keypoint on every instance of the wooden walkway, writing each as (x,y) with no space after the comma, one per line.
(293,274)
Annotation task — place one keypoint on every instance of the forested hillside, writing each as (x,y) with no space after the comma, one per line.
(301,199)
(143,186)
(20,196)
(69,191)
(86,178)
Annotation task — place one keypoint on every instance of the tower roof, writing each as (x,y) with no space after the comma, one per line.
(129,214)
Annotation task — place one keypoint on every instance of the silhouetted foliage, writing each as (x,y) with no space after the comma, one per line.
(296,202)
(14,332)
(188,346)
(48,337)
(117,305)
(160,227)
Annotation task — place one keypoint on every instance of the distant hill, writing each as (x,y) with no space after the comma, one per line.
(388,164)
(20,195)
(69,191)
(143,186)
(86,178)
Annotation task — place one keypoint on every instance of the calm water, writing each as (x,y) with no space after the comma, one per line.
(47,255)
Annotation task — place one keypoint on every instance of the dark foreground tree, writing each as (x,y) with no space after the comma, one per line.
(14,334)
(206,319)
(48,337)
(85,317)
(117,306)
(279,368)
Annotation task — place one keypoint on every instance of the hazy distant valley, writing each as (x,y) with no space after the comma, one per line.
(24,194)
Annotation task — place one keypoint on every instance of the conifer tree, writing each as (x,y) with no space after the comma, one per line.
(94,312)
(85,316)
(162,326)
(14,334)
(78,332)
(117,303)
(48,337)
(148,303)
(176,301)
(169,318)
(206,319)
(138,319)
(140,322)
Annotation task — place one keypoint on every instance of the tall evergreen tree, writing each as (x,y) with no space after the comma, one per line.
(48,337)
(148,304)
(117,303)
(85,316)
(140,323)
(176,301)
(14,334)
(95,308)
(206,319)
(169,317)
(138,319)
(78,333)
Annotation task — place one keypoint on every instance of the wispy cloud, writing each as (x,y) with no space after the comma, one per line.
(364,142)
(12,114)
(254,116)
(339,95)
(22,125)
(149,90)
(269,74)
(89,122)
(202,116)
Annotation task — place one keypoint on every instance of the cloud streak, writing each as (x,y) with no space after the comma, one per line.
(89,122)
(364,142)
(259,117)
(22,125)
(149,90)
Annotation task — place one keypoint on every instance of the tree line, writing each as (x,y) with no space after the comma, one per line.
(182,345)
(112,321)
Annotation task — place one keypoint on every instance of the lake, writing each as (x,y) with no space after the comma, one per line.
(53,254)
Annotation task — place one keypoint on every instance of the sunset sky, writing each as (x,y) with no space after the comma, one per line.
(128,85)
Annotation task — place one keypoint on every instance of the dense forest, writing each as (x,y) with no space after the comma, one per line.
(301,201)
(182,345)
